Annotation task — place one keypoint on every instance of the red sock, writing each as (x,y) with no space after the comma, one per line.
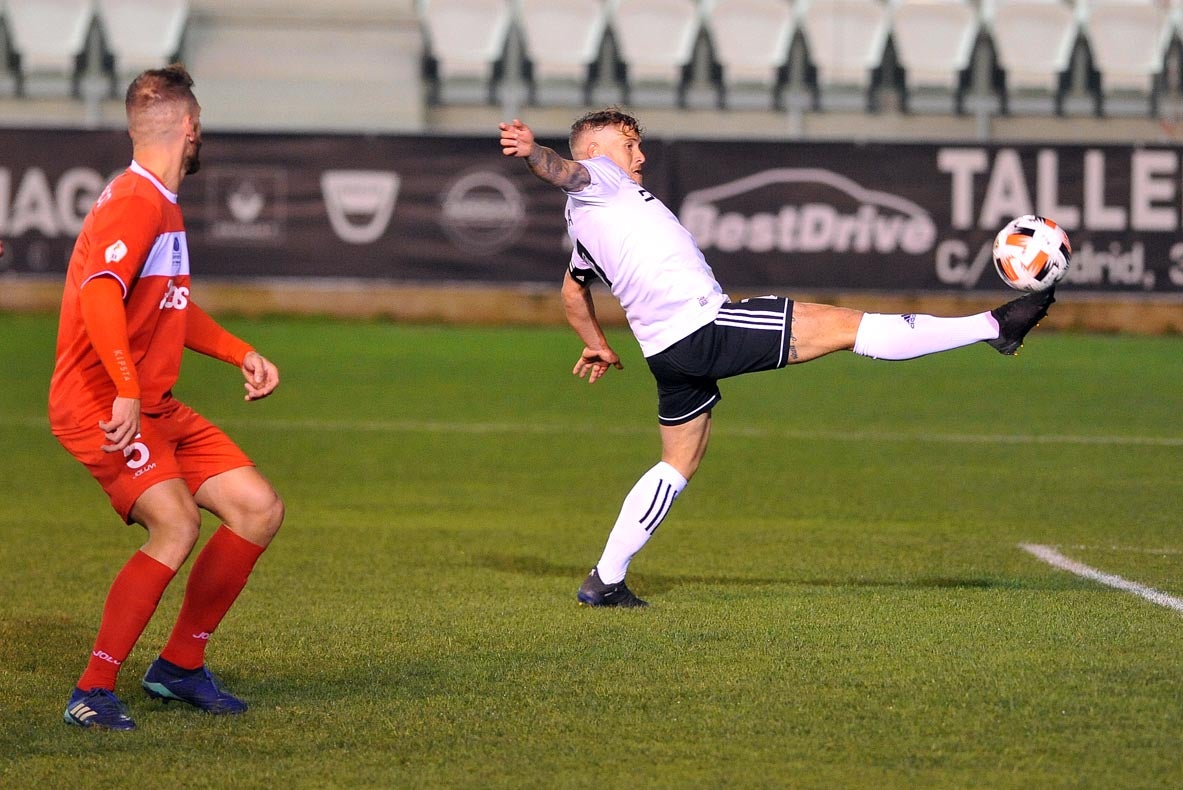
(130,603)
(218,575)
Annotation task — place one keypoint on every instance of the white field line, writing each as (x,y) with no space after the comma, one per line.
(447,426)
(1058,560)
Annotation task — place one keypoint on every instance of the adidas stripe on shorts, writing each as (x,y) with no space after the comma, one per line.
(745,337)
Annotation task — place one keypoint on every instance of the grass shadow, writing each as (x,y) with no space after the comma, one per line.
(538,567)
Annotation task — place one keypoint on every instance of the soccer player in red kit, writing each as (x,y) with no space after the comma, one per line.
(127,315)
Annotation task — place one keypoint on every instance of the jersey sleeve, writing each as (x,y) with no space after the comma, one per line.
(605,181)
(124,230)
(206,336)
(101,306)
(581,272)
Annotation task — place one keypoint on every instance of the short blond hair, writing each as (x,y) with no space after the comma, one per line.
(602,119)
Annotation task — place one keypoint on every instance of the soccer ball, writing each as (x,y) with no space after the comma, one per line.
(1031,253)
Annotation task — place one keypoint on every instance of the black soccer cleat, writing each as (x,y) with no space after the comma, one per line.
(1018,317)
(594,592)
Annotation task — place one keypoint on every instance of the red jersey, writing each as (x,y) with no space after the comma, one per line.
(136,235)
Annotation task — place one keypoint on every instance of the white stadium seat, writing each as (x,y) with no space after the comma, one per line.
(8,81)
(656,41)
(934,43)
(466,38)
(846,41)
(1128,40)
(348,65)
(1033,40)
(142,34)
(751,41)
(563,40)
(48,35)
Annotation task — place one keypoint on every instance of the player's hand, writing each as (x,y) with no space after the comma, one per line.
(594,362)
(262,377)
(516,139)
(123,426)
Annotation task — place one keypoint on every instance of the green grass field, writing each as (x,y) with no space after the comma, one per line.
(838,599)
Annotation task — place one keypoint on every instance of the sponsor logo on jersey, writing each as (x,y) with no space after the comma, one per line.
(176,297)
(115,252)
(169,256)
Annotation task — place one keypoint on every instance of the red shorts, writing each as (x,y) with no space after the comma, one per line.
(178,444)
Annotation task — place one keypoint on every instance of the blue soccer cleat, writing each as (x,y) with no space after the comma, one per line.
(594,592)
(98,709)
(198,687)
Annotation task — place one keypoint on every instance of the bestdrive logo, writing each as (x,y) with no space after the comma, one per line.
(729,218)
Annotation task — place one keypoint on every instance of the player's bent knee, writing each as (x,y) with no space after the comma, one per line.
(820,329)
(259,518)
(173,530)
(273,517)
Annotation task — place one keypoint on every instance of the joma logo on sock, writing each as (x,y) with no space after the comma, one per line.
(105,656)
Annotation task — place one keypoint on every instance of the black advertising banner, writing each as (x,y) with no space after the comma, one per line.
(781,216)
(399,208)
(923,217)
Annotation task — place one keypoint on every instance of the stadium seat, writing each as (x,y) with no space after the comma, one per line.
(466,39)
(934,42)
(846,40)
(1034,40)
(563,39)
(49,36)
(656,39)
(751,41)
(349,65)
(8,74)
(142,34)
(1129,41)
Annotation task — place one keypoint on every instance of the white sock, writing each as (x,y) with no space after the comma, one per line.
(642,512)
(883,336)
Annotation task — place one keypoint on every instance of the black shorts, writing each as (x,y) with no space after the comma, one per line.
(745,337)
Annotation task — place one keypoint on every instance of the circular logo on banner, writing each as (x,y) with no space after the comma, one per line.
(483,212)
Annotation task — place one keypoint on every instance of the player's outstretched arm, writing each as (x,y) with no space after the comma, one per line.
(517,139)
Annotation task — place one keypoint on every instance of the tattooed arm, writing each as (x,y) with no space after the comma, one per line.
(517,139)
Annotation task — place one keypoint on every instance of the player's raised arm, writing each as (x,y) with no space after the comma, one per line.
(517,139)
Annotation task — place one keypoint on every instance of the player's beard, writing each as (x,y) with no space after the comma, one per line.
(193,163)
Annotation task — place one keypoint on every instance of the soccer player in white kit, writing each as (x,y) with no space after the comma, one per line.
(691,334)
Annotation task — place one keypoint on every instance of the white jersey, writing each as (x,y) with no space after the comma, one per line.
(636,245)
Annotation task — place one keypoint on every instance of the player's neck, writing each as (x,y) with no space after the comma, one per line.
(163,164)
